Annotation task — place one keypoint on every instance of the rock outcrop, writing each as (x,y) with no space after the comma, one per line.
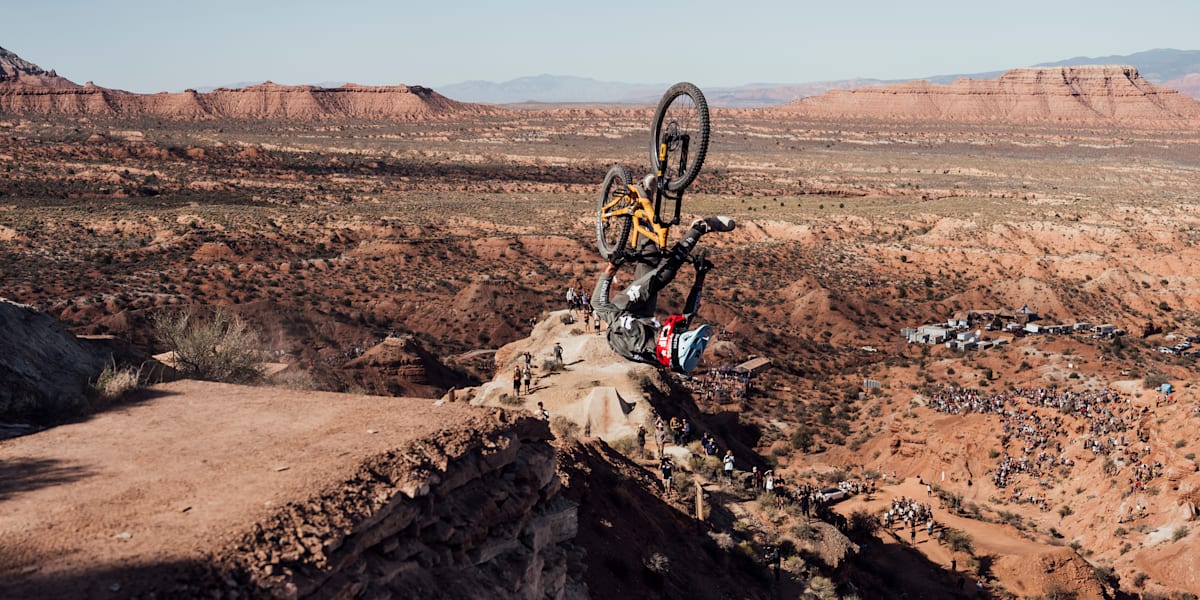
(27,89)
(400,366)
(1101,94)
(44,369)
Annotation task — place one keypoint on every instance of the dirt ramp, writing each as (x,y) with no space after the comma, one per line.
(200,489)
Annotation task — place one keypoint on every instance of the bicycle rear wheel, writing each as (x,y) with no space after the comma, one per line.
(682,123)
(612,231)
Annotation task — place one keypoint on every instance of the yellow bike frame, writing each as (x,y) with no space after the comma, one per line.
(643,213)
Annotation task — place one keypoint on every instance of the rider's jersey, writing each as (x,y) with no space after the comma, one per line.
(632,336)
(635,339)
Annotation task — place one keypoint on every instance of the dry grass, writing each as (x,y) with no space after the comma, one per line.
(114,383)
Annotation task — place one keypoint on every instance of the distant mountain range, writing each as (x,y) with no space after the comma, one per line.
(1175,69)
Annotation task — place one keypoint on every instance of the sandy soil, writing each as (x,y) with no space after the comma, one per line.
(181,473)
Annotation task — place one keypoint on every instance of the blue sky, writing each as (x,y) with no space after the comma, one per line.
(169,45)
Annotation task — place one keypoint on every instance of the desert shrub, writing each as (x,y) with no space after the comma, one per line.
(220,347)
(805,531)
(1179,443)
(822,588)
(565,428)
(1057,591)
(835,476)
(1155,379)
(682,480)
(723,540)
(1139,580)
(802,438)
(295,379)
(1179,533)
(114,383)
(627,446)
(657,562)
(510,400)
(551,366)
(863,524)
(959,541)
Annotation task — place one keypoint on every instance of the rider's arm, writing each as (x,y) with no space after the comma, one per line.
(692,306)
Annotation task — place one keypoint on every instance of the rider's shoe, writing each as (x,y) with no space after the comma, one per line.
(712,224)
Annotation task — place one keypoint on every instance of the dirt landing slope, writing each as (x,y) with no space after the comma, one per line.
(200,488)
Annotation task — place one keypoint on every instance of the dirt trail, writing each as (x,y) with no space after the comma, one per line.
(988,538)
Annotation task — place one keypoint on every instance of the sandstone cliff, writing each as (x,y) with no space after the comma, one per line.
(1102,94)
(28,89)
(264,101)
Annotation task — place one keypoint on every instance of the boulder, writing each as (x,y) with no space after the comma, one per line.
(44,369)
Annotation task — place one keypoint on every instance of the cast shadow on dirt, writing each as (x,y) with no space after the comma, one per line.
(26,474)
(182,579)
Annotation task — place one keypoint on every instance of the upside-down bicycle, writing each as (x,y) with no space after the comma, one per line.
(680,131)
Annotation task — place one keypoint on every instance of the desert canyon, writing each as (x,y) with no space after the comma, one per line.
(979,298)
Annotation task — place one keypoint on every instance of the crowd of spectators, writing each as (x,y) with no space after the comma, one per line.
(1037,425)
(722,384)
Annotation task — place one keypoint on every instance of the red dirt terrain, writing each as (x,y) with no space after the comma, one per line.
(194,488)
(409,256)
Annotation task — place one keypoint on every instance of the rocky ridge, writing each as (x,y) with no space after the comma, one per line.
(1098,94)
(28,89)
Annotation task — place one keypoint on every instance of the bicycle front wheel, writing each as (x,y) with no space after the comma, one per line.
(612,230)
(680,129)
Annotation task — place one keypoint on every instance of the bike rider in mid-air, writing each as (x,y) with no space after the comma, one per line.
(633,330)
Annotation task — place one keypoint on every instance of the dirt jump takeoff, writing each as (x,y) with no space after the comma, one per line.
(633,222)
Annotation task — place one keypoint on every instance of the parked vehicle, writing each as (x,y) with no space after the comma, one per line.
(831,494)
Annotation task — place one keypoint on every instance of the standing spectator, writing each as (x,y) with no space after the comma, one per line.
(758,478)
(660,437)
(558,353)
(666,466)
(528,359)
(571,298)
(516,381)
(543,414)
(729,465)
(685,435)
(641,438)
(528,375)
(596,323)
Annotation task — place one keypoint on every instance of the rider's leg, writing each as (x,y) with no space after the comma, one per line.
(681,251)
(642,293)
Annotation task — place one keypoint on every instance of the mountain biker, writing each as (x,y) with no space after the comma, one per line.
(633,330)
